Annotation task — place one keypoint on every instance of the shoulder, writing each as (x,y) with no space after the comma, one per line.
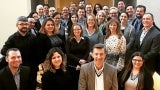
(87,65)
(110,67)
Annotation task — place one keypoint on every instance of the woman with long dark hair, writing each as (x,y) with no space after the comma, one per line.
(135,75)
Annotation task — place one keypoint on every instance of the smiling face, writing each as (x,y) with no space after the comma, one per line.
(56,60)
(147,21)
(123,18)
(77,31)
(49,27)
(137,62)
(113,27)
(99,56)
(14,59)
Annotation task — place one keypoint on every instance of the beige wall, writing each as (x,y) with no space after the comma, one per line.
(10,10)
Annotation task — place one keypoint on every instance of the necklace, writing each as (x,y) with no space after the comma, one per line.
(133,77)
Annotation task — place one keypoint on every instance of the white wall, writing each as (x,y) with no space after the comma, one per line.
(152,7)
(10,10)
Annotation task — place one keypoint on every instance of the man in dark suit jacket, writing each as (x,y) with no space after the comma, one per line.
(137,22)
(14,76)
(98,74)
(148,42)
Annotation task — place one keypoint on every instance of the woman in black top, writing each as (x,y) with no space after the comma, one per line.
(55,75)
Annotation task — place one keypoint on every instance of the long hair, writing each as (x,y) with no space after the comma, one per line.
(108,32)
(72,33)
(42,29)
(48,66)
(95,25)
(129,68)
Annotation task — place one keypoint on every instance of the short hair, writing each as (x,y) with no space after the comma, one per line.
(151,15)
(141,6)
(100,46)
(11,49)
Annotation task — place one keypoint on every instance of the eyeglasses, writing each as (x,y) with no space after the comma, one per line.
(136,60)
(112,13)
(22,24)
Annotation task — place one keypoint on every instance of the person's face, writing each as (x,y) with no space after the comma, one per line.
(99,56)
(77,31)
(56,60)
(147,21)
(35,16)
(97,8)
(130,10)
(81,3)
(113,14)
(46,9)
(101,17)
(14,59)
(81,13)
(57,19)
(90,21)
(137,62)
(123,18)
(106,9)
(22,26)
(31,23)
(49,27)
(88,9)
(40,11)
(65,11)
(139,12)
(113,27)
(121,5)
(74,19)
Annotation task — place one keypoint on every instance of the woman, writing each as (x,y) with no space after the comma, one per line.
(115,44)
(48,28)
(101,15)
(97,7)
(128,31)
(72,20)
(92,32)
(55,75)
(58,24)
(135,76)
(77,48)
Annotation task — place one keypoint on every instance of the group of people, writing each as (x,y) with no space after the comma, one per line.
(113,48)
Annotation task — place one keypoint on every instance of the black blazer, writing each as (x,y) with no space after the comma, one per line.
(150,47)
(7,81)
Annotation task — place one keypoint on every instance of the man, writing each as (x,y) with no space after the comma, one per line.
(106,9)
(131,13)
(88,9)
(113,13)
(137,22)
(148,42)
(31,26)
(14,76)
(26,43)
(121,6)
(98,75)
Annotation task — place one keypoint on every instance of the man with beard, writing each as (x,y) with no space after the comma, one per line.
(25,42)
(137,22)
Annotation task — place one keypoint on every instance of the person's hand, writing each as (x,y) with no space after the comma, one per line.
(78,67)
(81,61)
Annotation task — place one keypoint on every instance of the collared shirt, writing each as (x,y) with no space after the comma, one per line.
(99,82)
(143,34)
(16,77)
(79,40)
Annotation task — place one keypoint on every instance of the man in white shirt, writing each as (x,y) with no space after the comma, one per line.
(98,75)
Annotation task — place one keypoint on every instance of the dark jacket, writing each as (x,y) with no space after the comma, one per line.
(7,80)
